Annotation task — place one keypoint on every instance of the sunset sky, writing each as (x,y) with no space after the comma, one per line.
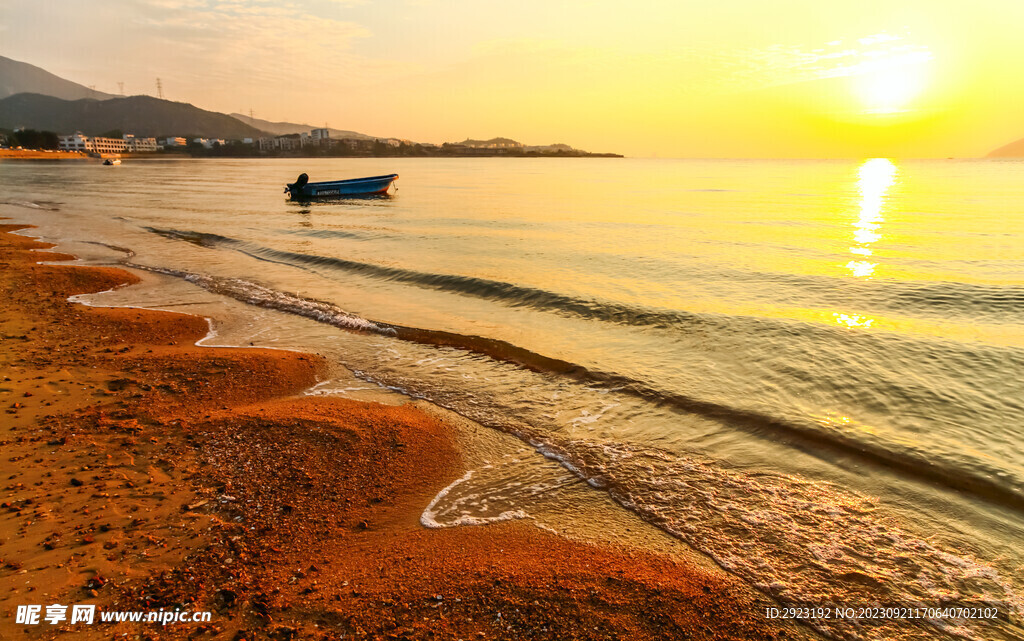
(680,78)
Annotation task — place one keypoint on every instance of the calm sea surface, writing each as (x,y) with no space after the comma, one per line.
(810,371)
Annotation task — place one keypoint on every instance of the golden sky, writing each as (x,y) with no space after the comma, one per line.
(731,78)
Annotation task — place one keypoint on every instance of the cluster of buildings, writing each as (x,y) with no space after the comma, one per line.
(294,142)
(130,143)
(322,138)
(101,145)
(205,143)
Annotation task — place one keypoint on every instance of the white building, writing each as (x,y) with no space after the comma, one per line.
(140,144)
(209,143)
(320,136)
(77,142)
(174,142)
(93,144)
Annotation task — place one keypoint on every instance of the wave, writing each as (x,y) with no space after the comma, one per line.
(33,204)
(335,233)
(129,253)
(982,484)
(808,544)
(930,298)
(508,293)
(941,299)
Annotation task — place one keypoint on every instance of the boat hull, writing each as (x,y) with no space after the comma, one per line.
(371,186)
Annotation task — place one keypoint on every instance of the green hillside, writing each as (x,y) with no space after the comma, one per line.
(139,115)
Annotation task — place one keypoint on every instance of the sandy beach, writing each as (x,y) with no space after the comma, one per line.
(34,154)
(146,473)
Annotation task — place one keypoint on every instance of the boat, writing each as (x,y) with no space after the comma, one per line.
(373,185)
(112,161)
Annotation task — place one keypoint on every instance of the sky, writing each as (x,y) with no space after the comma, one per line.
(682,78)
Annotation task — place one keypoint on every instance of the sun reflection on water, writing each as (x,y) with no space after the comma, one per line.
(852,320)
(874,178)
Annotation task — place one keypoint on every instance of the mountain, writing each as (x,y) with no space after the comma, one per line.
(1012,150)
(282,128)
(21,77)
(139,115)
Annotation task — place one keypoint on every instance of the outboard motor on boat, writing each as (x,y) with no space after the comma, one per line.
(299,183)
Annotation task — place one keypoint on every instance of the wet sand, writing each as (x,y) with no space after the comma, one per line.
(144,472)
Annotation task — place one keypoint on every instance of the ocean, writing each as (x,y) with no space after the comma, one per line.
(809,371)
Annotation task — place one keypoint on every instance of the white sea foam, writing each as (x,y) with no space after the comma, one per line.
(335,388)
(456,513)
(511,487)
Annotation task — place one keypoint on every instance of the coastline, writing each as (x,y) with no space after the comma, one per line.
(35,154)
(151,473)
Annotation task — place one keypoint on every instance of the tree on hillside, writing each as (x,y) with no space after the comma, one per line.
(32,139)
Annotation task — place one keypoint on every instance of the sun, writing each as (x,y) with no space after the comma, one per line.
(889,90)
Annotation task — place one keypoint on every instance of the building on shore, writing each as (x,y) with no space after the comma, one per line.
(287,142)
(101,145)
(93,144)
(175,142)
(359,145)
(209,143)
(136,145)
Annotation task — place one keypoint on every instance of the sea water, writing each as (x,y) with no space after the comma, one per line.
(808,370)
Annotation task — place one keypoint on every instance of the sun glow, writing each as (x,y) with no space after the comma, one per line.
(887,91)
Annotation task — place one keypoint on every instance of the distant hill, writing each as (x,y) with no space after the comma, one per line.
(1012,150)
(282,128)
(492,143)
(558,146)
(508,143)
(139,115)
(21,77)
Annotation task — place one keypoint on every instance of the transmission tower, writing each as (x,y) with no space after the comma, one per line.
(159,89)
(120,87)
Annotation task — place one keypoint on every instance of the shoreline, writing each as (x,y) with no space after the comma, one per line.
(152,473)
(38,154)
(35,154)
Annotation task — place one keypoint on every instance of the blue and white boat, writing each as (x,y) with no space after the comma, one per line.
(373,185)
